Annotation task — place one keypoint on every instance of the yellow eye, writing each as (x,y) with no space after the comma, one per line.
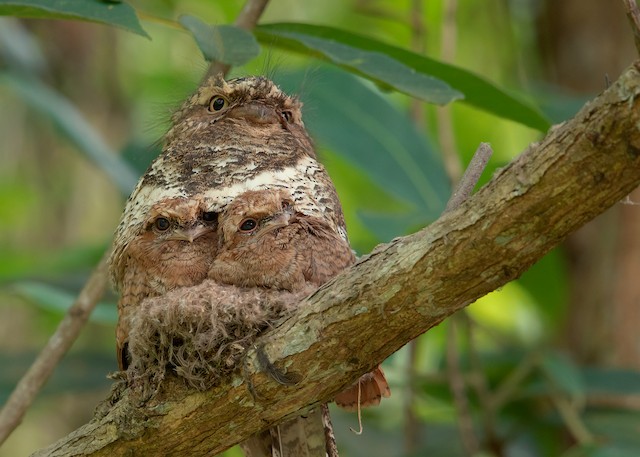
(217,103)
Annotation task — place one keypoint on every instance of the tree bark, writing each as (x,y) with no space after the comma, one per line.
(399,291)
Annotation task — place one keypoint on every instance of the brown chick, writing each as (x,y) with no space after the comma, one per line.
(265,242)
(174,248)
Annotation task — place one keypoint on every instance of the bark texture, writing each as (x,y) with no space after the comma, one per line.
(399,291)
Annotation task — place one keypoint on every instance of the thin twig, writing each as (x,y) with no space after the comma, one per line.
(572,419)
(633,14)
(569,411)
(329,435)
(247,19)
(64,336)
(418,46)
(478,382)
(457,384)
(417,113)
(470,177)
(446,136)
(513,381)
(411,423)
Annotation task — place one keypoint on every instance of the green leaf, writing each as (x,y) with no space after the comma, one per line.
(564,374)
(380,67)
(617,428)
(75,127)
(59,301)
(359,192)
(353,52)
(77,372)
(366,130)
(611,381)
(547,282)
(117,14)
(223,43)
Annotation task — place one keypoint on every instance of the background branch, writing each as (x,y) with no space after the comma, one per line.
(247,19)
(397,292)
(633,14)
(59,343)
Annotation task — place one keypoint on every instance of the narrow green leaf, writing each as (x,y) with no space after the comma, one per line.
(381,68)
(59,301)
(347,49)
(118,14)
(73,124)
(612,381)
(564,374)
(78,371)
(223,43)
(365,129)
(617,430)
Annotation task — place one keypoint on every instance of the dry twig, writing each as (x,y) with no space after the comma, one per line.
(470,178)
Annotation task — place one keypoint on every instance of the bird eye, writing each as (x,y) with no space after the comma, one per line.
(209,216)
(287,115)
(248,225)
(217,103)
(162,224)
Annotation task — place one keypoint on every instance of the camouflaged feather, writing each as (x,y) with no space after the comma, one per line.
(200,332)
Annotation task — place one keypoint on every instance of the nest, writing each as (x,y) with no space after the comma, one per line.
(201,332)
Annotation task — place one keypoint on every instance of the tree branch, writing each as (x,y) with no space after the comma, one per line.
(397,292)
(633,14)
(247,19)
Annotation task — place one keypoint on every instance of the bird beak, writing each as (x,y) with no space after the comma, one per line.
(284,218)
(277,222)
(255,112)
(190,234)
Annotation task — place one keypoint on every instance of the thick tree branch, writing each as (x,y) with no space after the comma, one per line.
(398,292)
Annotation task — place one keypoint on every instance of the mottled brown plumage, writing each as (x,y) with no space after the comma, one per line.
(201,331)
(265,242)
(173,248)
(229,137)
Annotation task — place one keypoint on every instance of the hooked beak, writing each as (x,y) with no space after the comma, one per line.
(279,221)
(190,234)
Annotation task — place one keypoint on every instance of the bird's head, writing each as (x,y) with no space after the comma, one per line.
(176,244)
(254,214)
(254,105)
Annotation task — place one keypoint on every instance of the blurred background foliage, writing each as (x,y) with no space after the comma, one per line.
(548,365)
